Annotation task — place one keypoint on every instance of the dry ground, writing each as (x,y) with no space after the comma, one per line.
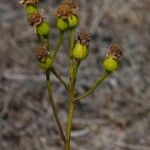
(115,117)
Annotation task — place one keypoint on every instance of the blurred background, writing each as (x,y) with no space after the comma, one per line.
(115,117)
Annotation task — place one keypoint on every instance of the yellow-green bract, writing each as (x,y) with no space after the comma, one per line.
(80,51)
(43,29)
(110,64)
(73,21)
(31,9)
(61,24)
(46,64)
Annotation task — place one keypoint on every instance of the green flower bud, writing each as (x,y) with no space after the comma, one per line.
(80,51)
(61,24)
(31,9)
(46,63)
(43,29)
(73,21)
(111,64)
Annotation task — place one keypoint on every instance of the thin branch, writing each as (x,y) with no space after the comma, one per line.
(91,90)
(57,75)
(58,44)
(53,106)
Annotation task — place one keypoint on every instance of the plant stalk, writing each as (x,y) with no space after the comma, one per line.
(53,106)
(72,76)
(57,75)
(71,106)
(70,118)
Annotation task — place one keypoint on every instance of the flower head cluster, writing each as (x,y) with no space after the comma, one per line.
(115,50)
(35,19)
(66,9)
(41,52)
(84,38)
(28,2)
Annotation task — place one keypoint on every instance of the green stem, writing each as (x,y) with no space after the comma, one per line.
(72,76)
(59,78)
(47,44)
(44,41)
(49,88)
(72,32)
(53,106)
(59,42)
(71,107)
(91,90)
(70,118)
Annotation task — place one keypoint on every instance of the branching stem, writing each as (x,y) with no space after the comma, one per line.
(58,76)
(51,100)
(91,90)
(73,68)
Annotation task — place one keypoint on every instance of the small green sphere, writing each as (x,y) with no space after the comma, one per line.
(80,51)
(47,64)
(110,64)
(31,9)
(43,29)
(61,24)
(73,21)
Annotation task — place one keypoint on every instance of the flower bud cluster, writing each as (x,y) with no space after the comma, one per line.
(36,18)
(66,16)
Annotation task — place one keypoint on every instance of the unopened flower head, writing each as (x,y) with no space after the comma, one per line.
(44,59)
(111,62)
(66,9)
(28,2)
(84,38)
(35,19)
(80,50)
